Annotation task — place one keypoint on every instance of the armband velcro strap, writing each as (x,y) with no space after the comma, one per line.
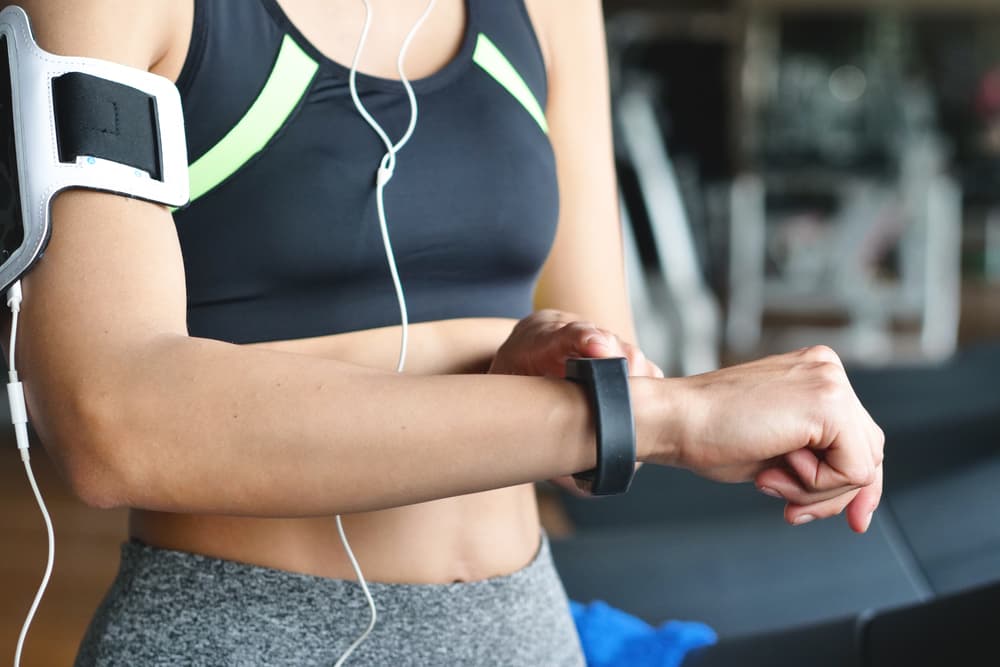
(606,384)
(105,119)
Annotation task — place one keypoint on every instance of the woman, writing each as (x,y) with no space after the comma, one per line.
(226,373)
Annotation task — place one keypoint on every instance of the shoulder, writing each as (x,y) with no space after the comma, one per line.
(138,34)
(566,29)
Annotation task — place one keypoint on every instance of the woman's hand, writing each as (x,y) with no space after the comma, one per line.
(541,343)
(791,423)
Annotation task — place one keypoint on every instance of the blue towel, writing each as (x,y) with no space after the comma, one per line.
(610,638)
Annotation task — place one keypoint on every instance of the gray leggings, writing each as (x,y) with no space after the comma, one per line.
(175,608)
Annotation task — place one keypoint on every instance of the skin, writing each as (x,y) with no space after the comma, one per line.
(245,452)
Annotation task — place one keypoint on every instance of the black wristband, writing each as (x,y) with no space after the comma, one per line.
(606,383)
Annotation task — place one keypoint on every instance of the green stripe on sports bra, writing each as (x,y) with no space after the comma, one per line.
(289,79)
(494,63)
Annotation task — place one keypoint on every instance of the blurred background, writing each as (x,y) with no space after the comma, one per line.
(797,171)
(792,172)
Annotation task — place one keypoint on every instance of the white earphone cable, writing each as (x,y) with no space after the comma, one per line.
(48,565)
(385,172)
(387,166)
(19,417)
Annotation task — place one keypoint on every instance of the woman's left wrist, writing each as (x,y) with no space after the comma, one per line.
(652,411)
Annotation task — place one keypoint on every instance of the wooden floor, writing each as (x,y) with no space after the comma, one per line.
(87,543)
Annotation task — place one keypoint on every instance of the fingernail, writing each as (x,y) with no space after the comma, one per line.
(805,518)
(868,521)
(767,491)
(596,340)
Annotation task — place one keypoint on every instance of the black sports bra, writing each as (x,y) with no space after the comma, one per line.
(281,239)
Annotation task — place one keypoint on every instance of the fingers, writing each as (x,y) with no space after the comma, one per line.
(851,441)
(785,484)
(798,419)
(861,509)
(820,354)
(831,472)
(803,507)
(849,463)
(587,340)
(799,515)
(541,343)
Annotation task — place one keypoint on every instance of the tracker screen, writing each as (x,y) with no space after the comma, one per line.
(11,229)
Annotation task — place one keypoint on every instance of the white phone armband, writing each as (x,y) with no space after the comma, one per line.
(77,123)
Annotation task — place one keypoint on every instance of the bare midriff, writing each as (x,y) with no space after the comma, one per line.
(465,538)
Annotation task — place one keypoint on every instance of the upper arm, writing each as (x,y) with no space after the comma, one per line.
(112,277)
(585,270)
(132,33)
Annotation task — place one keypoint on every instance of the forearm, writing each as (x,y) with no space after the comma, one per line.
(200,426)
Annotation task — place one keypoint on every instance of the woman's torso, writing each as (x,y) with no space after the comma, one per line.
(296,264)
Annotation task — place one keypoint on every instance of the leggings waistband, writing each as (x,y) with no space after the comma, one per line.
(170,607)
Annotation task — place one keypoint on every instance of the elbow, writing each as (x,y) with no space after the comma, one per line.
(106,431)
(90,446)
(95,487)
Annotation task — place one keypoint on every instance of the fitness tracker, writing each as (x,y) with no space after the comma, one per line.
(77,122)
(606,384)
